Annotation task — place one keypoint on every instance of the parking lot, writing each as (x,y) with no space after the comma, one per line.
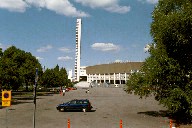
(110,105)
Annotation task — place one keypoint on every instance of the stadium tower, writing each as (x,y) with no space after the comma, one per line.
(78,50)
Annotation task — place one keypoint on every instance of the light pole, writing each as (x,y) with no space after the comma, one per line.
(34,96)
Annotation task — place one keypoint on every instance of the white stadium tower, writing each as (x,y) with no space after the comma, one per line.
(102,74)
(78,50)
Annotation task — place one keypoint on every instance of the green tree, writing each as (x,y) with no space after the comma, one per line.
(64,78)
(1,54)
(167,73)
(18,67)
(46,79)
(55,77)
(28,68)
(10,76)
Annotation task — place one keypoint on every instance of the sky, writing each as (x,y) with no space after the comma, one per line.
(112,30)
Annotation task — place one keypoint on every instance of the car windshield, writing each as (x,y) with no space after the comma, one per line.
(73,102)
(85,102)
(67,102)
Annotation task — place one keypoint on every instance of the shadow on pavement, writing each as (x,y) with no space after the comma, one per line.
(161,113)
(79,111)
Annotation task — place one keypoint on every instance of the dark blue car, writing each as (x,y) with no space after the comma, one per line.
(75,105)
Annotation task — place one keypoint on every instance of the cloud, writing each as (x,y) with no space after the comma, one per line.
(44,49)
(14,5)
(63,49)
(105,47)
(152,1)
(4,47)
(36,3)
(1,45)
(63,7)
(118,9)
(63,58)
(146,48)
(149,1)
(39,58)
(118,61)
(108,5)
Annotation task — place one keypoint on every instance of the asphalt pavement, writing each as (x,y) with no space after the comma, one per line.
(110,106)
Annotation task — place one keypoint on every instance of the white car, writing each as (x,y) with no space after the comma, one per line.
(116,85)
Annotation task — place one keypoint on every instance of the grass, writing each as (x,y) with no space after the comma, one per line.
(22,97)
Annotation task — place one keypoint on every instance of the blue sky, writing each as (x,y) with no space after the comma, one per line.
(112,30)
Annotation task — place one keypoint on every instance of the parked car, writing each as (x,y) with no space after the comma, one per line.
(66,89)
(116,85)
(72,88)
(75,105)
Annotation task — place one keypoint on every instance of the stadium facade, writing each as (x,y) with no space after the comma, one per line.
(113,73)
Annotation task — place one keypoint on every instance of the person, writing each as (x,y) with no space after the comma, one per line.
(63,92)
(87,91)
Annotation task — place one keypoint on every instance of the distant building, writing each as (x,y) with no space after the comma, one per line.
(83,74)
(83,71)
(114,73)
(70,75)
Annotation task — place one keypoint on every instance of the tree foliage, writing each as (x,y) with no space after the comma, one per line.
(1,54)
(55,77)
(18,67)
(167,72)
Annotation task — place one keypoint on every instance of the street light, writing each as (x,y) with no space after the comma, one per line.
(34,95)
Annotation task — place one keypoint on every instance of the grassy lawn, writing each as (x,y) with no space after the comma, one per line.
(21,96)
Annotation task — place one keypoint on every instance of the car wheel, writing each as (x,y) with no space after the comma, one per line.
(84,110)
(62,109)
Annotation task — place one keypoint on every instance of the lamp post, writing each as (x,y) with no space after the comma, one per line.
(34,96)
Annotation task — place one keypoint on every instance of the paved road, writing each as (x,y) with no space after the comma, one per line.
(109,106)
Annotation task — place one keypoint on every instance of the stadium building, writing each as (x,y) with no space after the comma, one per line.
(113,73)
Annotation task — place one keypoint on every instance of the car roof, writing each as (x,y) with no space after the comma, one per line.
(80,99)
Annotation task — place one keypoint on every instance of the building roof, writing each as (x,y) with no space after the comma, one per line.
(124,67)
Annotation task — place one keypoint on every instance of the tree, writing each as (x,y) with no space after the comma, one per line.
(167,72)
(64,76)
(10,76)
(18,67)
(1,54)
(46,79)
(28,68)
(55,78)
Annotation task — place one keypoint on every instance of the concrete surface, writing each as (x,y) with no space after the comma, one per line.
(110,105)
